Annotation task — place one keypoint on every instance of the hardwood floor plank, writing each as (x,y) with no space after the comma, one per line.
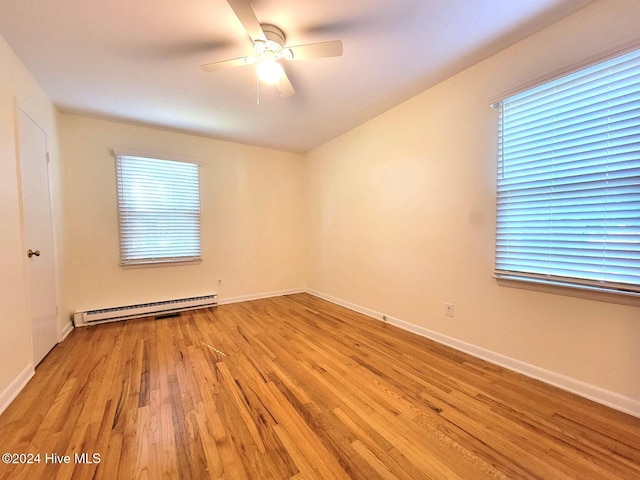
(376,463)
(297,388)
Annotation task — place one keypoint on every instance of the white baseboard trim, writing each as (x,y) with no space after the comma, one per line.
(66,330)
(16,386)
(259,296)
(591,392)
(343,303)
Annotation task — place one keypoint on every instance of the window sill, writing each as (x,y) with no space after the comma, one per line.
(569,290)
(134,266)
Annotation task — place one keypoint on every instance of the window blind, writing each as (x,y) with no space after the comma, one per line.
(568,203)
(159,210)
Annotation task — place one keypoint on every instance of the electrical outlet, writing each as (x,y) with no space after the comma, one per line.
(449,310)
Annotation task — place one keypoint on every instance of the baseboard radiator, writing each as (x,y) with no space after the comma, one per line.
(165,307)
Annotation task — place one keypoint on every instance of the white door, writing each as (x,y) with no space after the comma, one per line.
(38,236)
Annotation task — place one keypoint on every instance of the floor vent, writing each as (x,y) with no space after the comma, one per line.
(93,317)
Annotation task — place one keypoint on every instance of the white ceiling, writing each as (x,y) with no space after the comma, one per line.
(138,60)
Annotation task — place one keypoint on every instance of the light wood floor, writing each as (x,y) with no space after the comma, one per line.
(295,387)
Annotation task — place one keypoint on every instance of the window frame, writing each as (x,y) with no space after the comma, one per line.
(124,210)
(542,281)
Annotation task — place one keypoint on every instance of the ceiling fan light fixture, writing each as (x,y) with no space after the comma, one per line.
(259,46)
(269,70)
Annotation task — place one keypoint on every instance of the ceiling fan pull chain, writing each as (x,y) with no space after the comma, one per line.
(258,91)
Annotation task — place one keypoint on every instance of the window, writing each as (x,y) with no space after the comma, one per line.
(568,209)
(158,210)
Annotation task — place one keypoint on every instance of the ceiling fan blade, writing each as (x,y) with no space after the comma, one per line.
(331,48)
(225,64)
(244,12)
(284,86)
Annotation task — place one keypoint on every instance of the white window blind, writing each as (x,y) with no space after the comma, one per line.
(159,210)
(568,208)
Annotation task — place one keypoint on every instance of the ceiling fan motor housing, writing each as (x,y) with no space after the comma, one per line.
(274,35)
(273,47)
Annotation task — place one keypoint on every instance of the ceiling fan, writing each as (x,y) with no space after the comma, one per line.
(269,49)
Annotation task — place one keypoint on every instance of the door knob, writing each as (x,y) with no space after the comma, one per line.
(31,253)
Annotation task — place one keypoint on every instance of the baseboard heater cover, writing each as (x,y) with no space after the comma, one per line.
(104,315)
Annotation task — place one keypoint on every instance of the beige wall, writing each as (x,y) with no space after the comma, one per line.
(18,89)
(252,219)
(402,217)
